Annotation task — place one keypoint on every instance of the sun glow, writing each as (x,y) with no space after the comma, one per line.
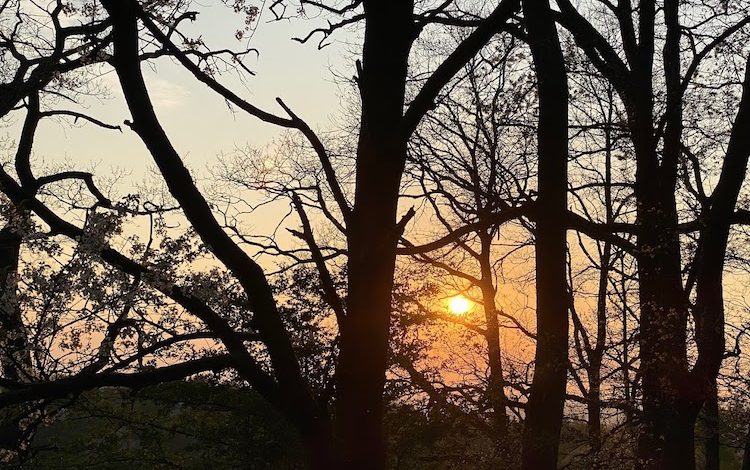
(458,305)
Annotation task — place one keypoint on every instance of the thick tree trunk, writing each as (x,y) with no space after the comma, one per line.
(712,441)
(668,419)
(663,304)
(669,441)
(360,374)
(372,236)
(672,395)
(709,310)
(544,414)
(319,449)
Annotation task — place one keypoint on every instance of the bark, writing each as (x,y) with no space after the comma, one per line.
(372,234)
(15,354)
(663,347)
(674,424)
(544,414)
(712,441)
(666,439)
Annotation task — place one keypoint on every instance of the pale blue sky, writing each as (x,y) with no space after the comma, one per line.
(198,121)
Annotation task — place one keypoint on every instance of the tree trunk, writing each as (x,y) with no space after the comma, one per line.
(15,356)
(594,408)
(709,310)
(712,441)
(319,449)
(672,395)
(669,408)
(663,304)
(495,390)
(596,355)
(669,441)
(544,413)
(667,421)
(372,235)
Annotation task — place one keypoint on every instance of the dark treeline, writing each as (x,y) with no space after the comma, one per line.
(572,175)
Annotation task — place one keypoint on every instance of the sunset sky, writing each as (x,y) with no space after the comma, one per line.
(505,234)
(199,123)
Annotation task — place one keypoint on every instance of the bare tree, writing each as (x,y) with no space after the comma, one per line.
(385,125)
(654,98)
(471,161)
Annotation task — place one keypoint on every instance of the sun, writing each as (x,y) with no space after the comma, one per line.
(458,305)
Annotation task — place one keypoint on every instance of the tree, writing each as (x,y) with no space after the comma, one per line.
(389,32)
(656,100)
(541,433)
(87,304)
(472,177)
(602,337)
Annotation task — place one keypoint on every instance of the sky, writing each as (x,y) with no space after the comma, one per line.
(202,126)
(197,120)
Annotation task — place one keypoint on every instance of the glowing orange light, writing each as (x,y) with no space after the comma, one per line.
(458,305)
